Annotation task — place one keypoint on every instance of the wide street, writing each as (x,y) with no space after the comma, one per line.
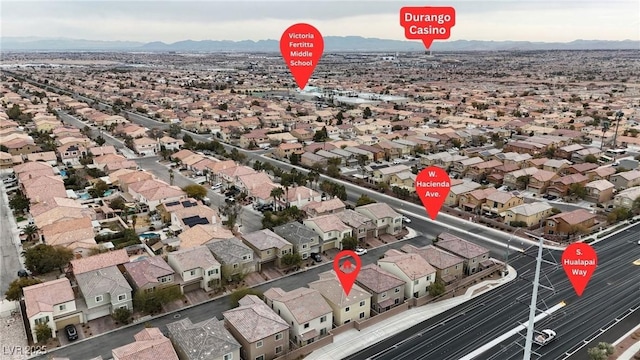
(611,293)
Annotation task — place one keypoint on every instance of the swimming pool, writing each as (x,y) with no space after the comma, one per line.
(108,192)
(149,235)
(63,173)
(85,196)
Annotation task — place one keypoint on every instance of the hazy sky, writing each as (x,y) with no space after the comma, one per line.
(170,21)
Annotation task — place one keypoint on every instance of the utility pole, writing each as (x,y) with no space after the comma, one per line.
(534,300)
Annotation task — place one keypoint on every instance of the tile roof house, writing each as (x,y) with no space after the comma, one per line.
(43,188)
(560,186)
(599,191)
(386,289)
(206,340)
(235,257)
(52,303)
(539,181)
(354,307)
(304,240)
(318,208)
(473,200)
(475,256)
(625,198)
(76,234)
(530,214)
(201,234)
(104,290)
(416,272)
(386,220)
(569,223)
(191,214)
(305,310)
(458,190)
(499,201)
(146,146)
(331,230)
(269,246)
(149,344)
(363,227)
(449,267)
(149,274)
(195,268)
(261,332)
(626,179)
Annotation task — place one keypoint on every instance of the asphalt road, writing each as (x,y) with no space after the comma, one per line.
(612,291)
(101,345)
(9,256)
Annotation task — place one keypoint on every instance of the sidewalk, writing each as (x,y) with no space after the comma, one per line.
(353,340)
(631,350)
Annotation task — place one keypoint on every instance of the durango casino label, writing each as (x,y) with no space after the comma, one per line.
(427,23)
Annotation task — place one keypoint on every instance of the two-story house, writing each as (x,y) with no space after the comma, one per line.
(499,201)
(626,179)
(208,339)
(363,227)
(473,200)
(475,256)
(539,181)
(51,303)
(269,246)
(236,258)
(625,198)
(146,146)
(599,191)
(560,186)
(331,230)
(386,289)
(261,332)
(101,283)
(304,240)
(449,267)
(569,223)
(306,311)
(318,208)
(530,214)
(149,343)
(456,191)
(149,274)
(356,306)
(386,220)
(416,272)
(195,268)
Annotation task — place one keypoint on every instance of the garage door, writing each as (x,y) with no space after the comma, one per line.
(191,287)
(76,319)
(99,312)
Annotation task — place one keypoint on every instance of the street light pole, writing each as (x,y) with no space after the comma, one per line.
(534,300)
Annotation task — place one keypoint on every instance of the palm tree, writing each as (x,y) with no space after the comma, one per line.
(276,193)
(29,231)
(134,220)
(313,176)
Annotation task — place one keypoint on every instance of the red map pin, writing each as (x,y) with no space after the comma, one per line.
(579,261)
(433,185)
(301,46)
(348,272)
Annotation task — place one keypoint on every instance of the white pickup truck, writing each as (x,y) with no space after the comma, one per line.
(544,337)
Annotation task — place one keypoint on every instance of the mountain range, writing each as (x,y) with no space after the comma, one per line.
(331,44)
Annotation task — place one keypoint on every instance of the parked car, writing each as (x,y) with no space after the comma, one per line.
(230,200)
(23,273)
(71,332)
(360,251)
(216,186)
(316,257)
(406,219)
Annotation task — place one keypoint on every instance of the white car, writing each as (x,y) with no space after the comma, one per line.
(406,219)
(360,251)
(216,186)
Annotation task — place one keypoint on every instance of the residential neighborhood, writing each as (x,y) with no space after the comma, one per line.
(139,192)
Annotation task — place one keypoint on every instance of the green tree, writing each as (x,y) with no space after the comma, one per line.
(635,206)
(15,112)
(44,258)
(366,113)
(30,231)
(100,140)
(349,243)
(577,190)
(14,292)
(523,181)
(592,159)
(188,140)
(98,189)
(436,289)
(240,293)
(291,259)
(43,333)
(276,194)
(122,315)
(195,191)
(601,352)
(333,171)
(117,204)
(19,202)
(321,135)
(364,200)
(174,130)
